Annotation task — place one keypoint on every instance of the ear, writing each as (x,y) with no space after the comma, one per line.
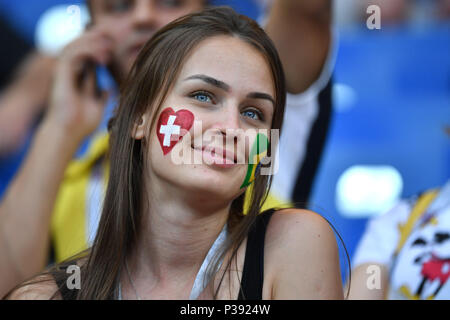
(140,128)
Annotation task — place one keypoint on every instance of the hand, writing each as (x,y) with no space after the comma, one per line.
(76,107)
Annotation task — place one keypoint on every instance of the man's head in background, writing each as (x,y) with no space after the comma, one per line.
(132,22)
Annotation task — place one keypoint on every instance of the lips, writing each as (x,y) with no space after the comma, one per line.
(218,156)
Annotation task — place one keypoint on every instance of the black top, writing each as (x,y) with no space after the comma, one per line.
(252,275)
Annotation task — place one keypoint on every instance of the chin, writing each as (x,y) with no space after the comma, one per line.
(205,180)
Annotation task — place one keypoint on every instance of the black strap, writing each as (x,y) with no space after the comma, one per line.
(253,273)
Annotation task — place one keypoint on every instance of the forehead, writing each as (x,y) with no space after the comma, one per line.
(230,60)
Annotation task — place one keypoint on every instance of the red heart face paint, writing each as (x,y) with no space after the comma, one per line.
(172,126)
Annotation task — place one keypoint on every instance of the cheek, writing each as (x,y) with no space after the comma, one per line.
(172,127)
(156,162)
(121,35)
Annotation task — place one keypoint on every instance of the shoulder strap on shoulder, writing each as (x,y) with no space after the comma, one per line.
(61,281)
(253,273)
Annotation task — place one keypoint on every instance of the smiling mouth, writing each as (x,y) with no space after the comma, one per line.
(218,156)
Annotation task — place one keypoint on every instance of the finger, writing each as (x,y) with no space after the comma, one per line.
(91,88)
(104,97)
(103,29)
(92,45)
(88,80)
(95,36)
(75,69)
(99,51)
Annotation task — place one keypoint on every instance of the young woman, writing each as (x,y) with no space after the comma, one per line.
(178,231)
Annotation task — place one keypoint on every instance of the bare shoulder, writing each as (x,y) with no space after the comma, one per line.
(299,225)
(302,256)
(42,287)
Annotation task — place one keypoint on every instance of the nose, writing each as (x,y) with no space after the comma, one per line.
(228,119)
(145,14)
(227,123)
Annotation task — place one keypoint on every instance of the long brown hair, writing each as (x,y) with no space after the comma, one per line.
(146,87)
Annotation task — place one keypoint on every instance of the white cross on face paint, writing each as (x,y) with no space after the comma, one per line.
(168,130)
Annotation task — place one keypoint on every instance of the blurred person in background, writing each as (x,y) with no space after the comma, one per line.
(56,198)
(405,253)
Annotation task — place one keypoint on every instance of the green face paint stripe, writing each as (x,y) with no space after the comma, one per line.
(255,149)
(255,158)
(248,176)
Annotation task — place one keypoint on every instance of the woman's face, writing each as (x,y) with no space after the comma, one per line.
(221,99)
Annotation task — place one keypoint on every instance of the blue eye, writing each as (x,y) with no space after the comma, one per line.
(202,97)
(253,114)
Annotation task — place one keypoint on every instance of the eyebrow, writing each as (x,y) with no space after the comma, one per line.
(222,85)
(217,83)
(261,95)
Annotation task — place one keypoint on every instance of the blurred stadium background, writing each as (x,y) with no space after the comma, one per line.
(391,100)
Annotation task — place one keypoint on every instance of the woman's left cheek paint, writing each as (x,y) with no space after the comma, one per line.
(258,151)
(172,126)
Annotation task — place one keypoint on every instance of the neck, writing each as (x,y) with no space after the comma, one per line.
(175,237)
